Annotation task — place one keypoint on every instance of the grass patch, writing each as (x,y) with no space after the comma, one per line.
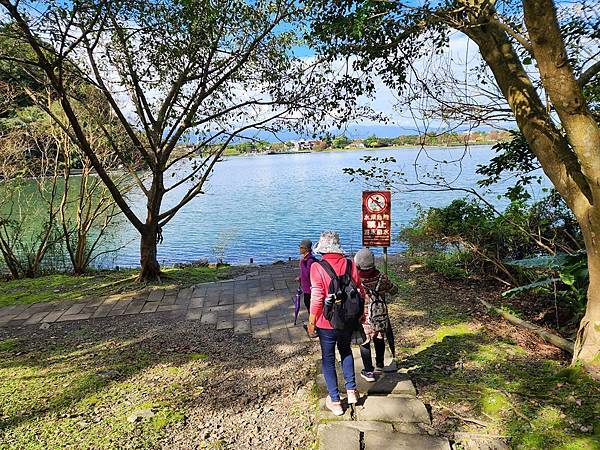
(405,287)
(7,345)
(557,405)
(84,397)
(463,366)
(101,283)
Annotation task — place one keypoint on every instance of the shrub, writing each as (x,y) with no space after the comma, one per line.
(481,241)
(451,265)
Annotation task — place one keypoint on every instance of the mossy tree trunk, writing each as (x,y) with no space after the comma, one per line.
(569,157)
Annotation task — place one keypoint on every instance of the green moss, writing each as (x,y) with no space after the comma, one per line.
(90,401)
(314,394)
(494,403)
(200,356)
(496,352)
(573,375)
(452,330)
(165,418)
(511,311)
(581,443)
(444,332)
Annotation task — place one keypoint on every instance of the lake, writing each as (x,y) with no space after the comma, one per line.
(261,206)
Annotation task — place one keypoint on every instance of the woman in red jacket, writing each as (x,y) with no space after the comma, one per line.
(329,338)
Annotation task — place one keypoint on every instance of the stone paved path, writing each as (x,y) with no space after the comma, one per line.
(388,416)
(258,303)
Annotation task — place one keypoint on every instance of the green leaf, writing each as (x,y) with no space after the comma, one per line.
(528,287)
(538,262)
(567,278)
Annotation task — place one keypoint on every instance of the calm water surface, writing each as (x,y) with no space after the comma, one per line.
(261,206)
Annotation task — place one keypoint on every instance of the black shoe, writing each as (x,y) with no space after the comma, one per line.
(368,376)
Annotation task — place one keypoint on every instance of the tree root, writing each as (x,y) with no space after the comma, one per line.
(111,285)
(553,339)
(455,415)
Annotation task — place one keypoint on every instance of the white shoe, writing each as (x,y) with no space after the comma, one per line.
(352,396)
(334,407)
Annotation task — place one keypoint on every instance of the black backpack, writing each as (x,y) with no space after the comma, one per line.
(343,304)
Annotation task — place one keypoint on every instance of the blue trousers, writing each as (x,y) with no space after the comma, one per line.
(329,339)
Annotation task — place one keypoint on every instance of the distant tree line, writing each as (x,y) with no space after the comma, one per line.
(329,141)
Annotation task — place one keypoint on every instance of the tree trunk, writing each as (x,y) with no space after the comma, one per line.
(150,234)
(558,161)
(150,269)
(11,261)
(79,259)
(587,345)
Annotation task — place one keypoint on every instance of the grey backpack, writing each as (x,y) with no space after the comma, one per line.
(377,311)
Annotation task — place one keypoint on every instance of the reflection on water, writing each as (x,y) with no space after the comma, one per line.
(261,206)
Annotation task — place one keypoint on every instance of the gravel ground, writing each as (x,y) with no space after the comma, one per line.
(256,395)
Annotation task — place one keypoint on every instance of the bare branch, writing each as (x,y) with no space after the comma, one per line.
(523,40)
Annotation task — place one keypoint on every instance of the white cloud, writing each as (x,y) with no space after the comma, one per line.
(457,62)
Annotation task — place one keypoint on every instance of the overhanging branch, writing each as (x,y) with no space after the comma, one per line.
(589,74)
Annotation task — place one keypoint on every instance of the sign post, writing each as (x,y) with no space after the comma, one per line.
(377,221)
(385,262)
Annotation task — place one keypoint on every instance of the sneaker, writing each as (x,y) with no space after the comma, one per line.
(368,376)
(352,396)
(378,369)
(334,407)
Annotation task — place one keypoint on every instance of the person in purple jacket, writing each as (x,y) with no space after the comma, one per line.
(305,262)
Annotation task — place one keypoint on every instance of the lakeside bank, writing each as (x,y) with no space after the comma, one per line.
(261,207)
(233,152)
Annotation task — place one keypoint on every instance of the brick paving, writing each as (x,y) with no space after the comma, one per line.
(259,303)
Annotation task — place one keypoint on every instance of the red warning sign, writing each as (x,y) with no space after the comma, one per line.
(376,218)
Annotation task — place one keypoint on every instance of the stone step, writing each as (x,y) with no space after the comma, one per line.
(362,426)
(334,437)
(325,415)
(374,436)
(381,409)
(392,409)
(476,441)
(393,384)
(377,440)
